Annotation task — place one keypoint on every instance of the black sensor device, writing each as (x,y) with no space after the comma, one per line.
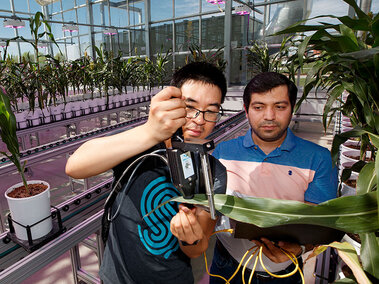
(182,167)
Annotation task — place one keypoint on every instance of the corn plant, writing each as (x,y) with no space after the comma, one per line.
(8,126)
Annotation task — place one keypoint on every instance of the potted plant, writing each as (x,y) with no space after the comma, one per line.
(29,201)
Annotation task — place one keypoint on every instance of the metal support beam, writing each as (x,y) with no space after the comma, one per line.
(227,39)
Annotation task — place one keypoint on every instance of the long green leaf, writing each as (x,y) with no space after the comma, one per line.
(348,254)
(366,179)
(370,253)
(354,214)
(358,11)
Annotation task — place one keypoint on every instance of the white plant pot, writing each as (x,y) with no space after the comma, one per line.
(85,107)
(21,119)
(124,99)
(75,108)
(30,210)
(46,116)
(344,157)
(101,103)
(68,109)
(57,111)
(34,117)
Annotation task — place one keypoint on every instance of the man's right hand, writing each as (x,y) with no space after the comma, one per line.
(167,114)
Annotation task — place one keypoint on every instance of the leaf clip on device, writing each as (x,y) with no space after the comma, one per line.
(185,168)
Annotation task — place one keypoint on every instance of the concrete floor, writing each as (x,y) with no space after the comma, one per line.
(59,272)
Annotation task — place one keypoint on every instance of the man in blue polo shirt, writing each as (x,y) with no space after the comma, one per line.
(270,161)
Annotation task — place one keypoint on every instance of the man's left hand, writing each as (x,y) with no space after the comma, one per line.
(274,252)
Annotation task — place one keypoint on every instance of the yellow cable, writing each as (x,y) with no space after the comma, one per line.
(240,263)
(290,255)
(205,256)
(253,270)
(246,263)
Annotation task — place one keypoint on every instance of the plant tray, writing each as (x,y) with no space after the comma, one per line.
(31,245)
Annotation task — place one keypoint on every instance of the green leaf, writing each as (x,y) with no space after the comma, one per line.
(370,253)
(366,179)
(358,11)
(302,48)
(354,214)
(333,96)
(349,37)
(365,54)
(355,24)
(348,254)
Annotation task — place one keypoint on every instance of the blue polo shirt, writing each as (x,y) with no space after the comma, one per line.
(297,170)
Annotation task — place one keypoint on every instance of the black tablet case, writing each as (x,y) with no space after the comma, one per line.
(299,233)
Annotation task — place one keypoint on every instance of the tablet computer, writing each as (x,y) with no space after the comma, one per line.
(297,233)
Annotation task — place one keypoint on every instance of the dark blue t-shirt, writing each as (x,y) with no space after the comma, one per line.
(143,250)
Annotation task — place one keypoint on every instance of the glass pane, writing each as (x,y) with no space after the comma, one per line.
(137,12)
(34,7)
(180,60)
(99,14)
(186,7)
(69,16)
(119,17)
(6,5)
(12,50)
(161,9)
(187,33)
(68,4)
(20,5)
(161,37)
(54,7)
(84,43)
(324,7)
(123,45)
(82,16)
(212,31)
(137,39)
(99,37)
(56,29)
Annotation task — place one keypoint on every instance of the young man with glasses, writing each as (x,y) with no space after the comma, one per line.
(143,249)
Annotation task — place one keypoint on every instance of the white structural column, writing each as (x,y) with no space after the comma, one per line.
(147,27)
(227,38)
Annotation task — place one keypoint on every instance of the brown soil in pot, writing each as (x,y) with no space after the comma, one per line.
(20,192)
(357,157)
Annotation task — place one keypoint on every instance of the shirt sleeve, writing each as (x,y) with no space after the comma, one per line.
(325,182)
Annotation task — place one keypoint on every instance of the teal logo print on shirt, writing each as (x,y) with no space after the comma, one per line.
(158,238)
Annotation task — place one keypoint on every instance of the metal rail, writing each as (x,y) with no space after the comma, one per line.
(81,215)
(73,120)
(63,146)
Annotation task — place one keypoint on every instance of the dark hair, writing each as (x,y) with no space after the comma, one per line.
(203,72)
(266,81)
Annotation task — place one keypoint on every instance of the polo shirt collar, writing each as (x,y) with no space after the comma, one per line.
(287,145)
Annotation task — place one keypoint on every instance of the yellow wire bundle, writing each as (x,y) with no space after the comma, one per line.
(290,255)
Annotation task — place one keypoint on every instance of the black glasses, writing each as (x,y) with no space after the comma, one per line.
(210,116)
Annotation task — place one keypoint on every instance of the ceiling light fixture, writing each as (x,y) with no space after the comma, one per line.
(243,10)
(14,22)
(3,44)
(216,1)
(110,31)
(70,27)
